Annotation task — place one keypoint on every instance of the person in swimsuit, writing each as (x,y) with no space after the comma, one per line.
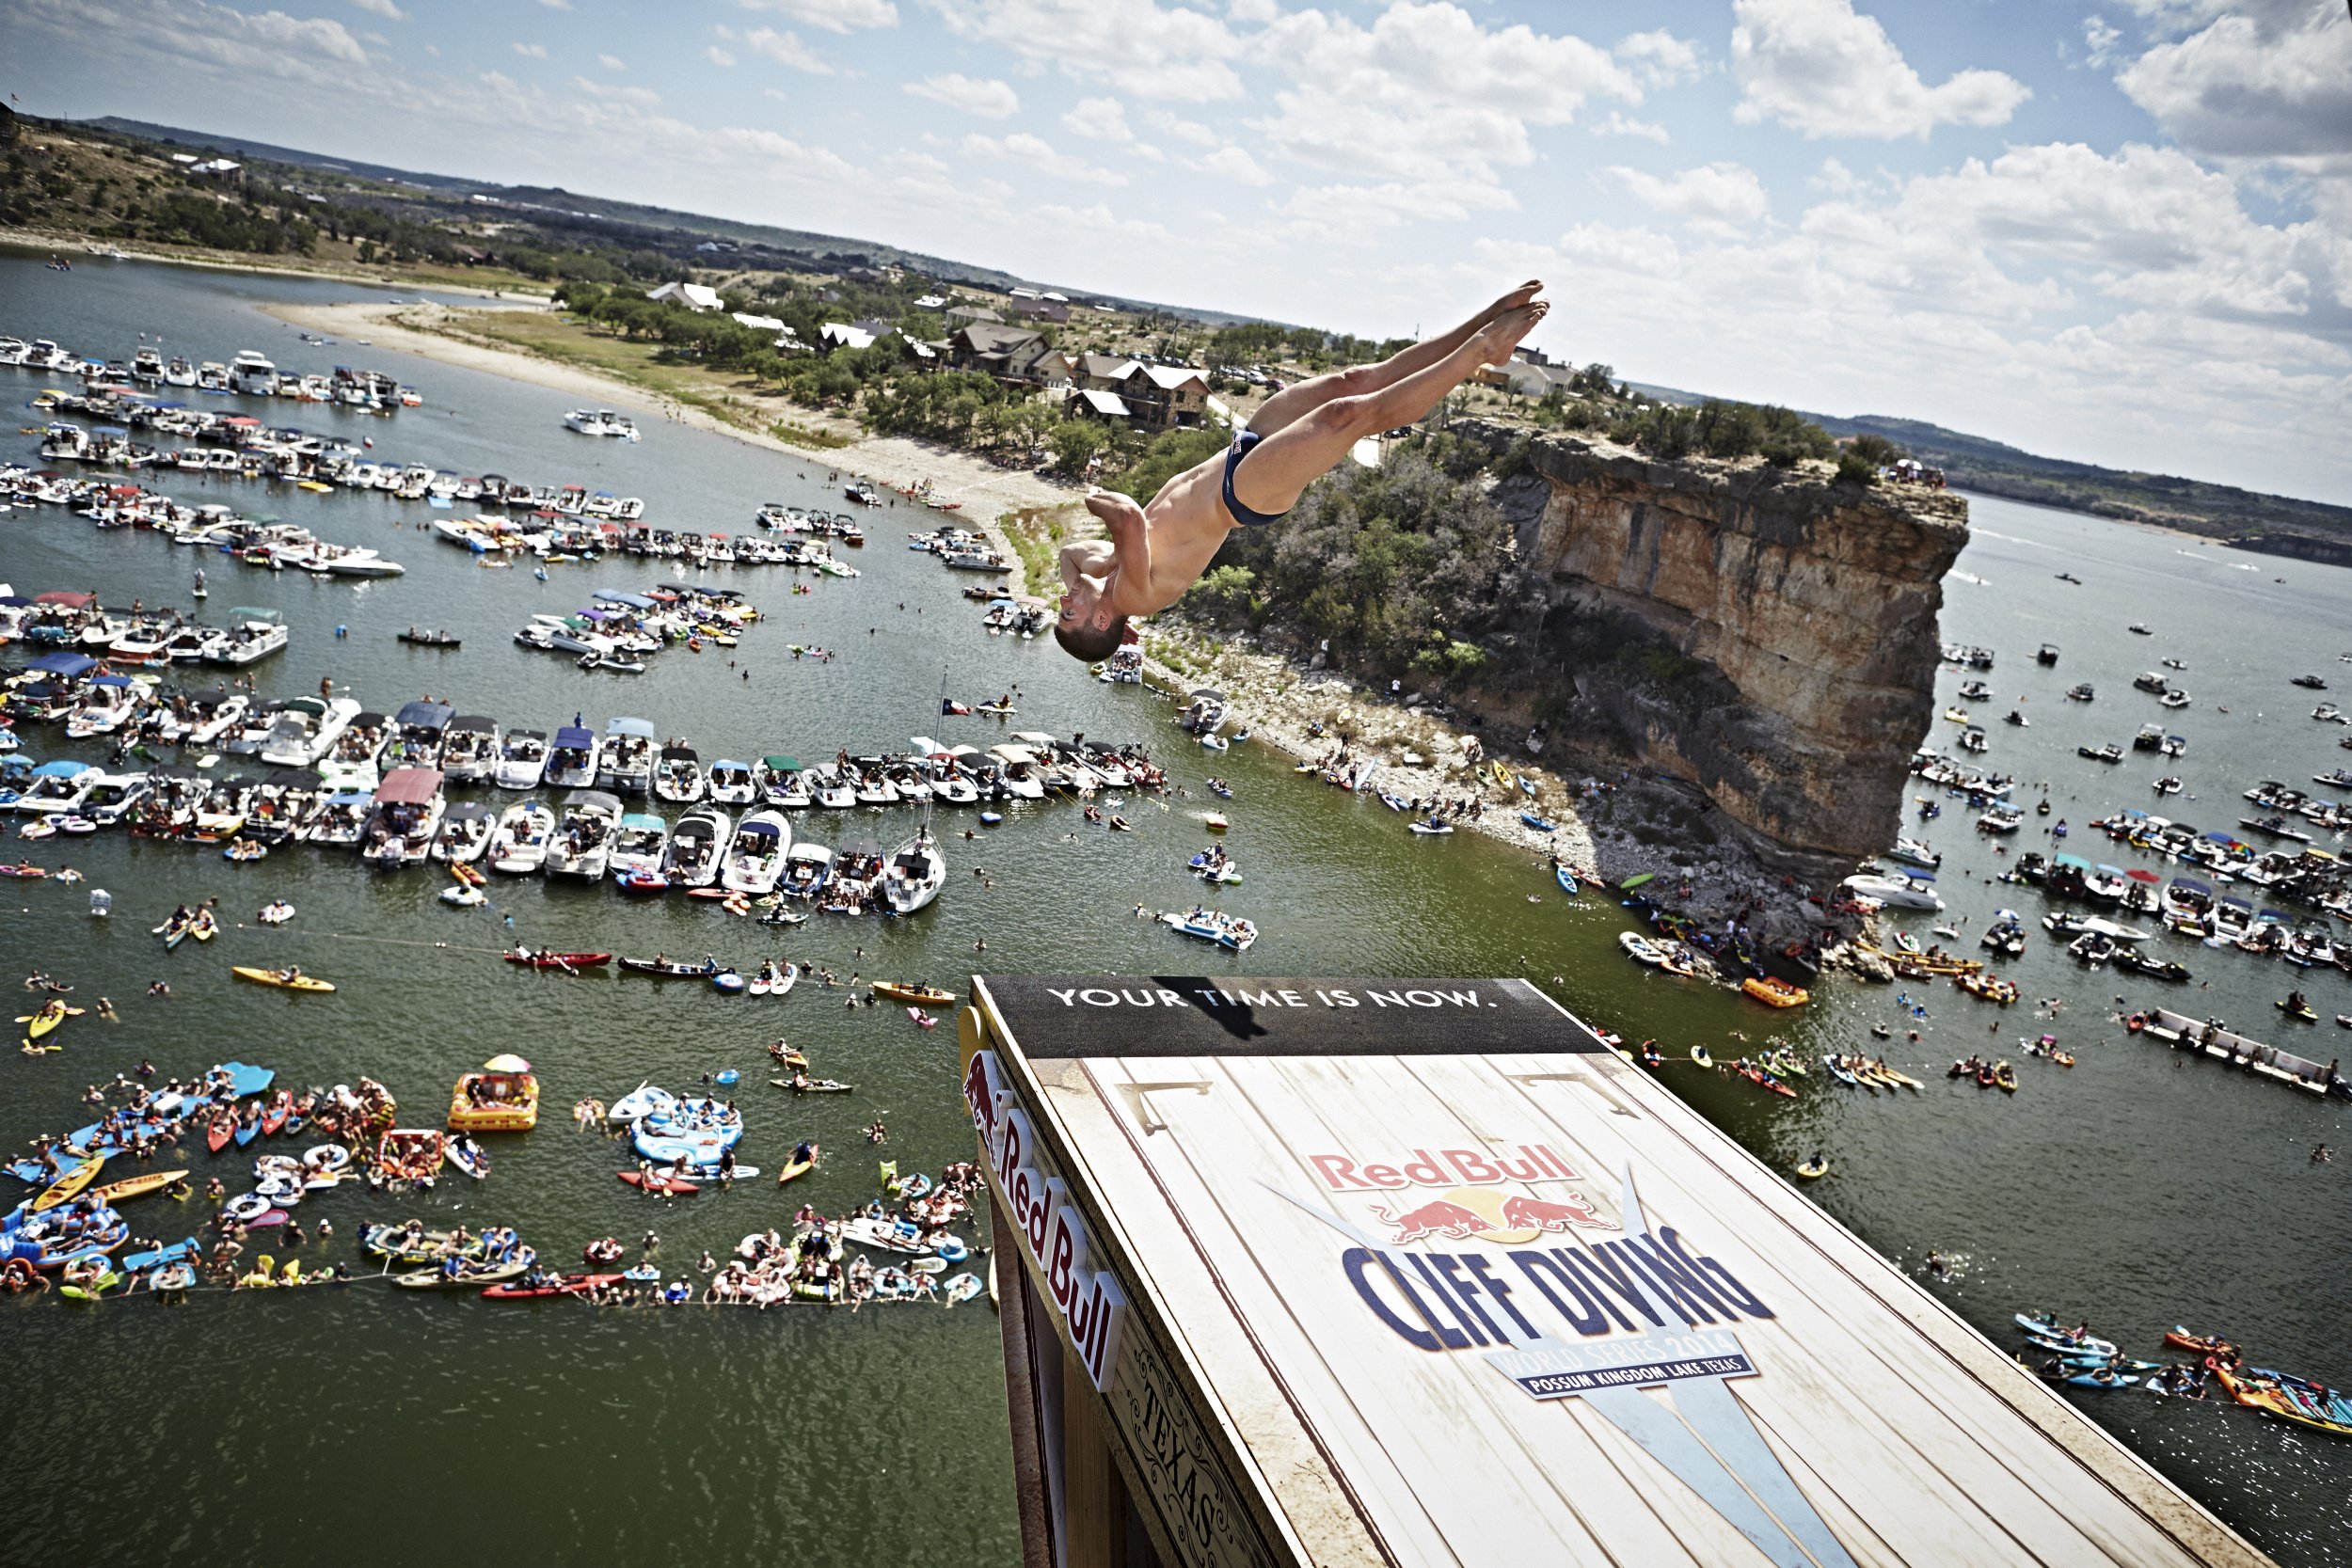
(1155,552)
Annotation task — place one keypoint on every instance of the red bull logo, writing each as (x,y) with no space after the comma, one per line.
(1441,1218)
(1535,1214)
(1507,1219)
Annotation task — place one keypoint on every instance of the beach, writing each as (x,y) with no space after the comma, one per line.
(437,333)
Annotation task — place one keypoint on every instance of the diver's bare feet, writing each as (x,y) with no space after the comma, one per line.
(1512,301)
(1498,338)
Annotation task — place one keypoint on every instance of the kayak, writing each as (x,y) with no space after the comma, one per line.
(1698,1054)
(795,1168)
(2203,1345)
(556,960)
(491,1274)
(905,990)
(275,1117)
(278,978)
(48,1018)
(137,1186)
(1813,1169)
(2092,1379)
(670,1186)
(663,969)
(815,1085)
(1538,823)
(66,1186)
(563,1285)
(1840,1074)
(2057,1331)
(1565,877)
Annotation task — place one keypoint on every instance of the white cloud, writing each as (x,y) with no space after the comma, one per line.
(974,95)
(611,62)
(1819,67)
(1618,124)
(1425,94)
(1236,165)
(384,8)
(1182,129)
(532,51)
(1035,151)
(1100,221)
(2275,81)
(718,56)
(1321,214)
(1099,120)
(557,5)
(833,16)
(785,49)
(1143,48)
(2099,39)
(1659,58)
(1714,198)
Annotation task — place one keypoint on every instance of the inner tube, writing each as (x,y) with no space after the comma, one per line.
(328,1157)
(247,1207)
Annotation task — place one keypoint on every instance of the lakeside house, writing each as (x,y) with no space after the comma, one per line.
(1007,353)
(1530,373)
(1156,397)
(695,297)
(974,315)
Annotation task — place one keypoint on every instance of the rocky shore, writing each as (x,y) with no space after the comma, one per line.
(1611,821)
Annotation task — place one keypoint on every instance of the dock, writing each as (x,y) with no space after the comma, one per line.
(2184,1033)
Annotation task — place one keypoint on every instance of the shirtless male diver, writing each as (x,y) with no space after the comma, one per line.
(1155,552)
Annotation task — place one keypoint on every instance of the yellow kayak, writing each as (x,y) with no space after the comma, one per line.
(63,1188)
(50,1016)
(280,978)
(1813,1169)
(905,990)
(137,1186)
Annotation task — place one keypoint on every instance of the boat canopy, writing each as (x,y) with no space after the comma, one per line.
(781,764)
(866,847)
(251,612)
(69,598)
(575,799)
(2237,903)
(292,778)
(809,850)
(367,721)
(1209,694)
(679,754)
(1034,739)
(349,797)
(574,737)
(634,601)
(639,727)
(66,666)
(644,821)
(64,769)
(314,707)
(424,716)
(473,722)
(2113,871)
(2188,884)
(760,827)
(408,786)
(2076,861)
(111,680)
(1013,753)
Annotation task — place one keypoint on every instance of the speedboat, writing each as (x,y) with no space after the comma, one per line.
(627,758)
(639,847)
(522,759)
(1916,853)
(678,776)
(808,869)
(755,858)
(465,833)
(572,759)
(582,845)
(916,873)
(693,857)
(520,842)
(782,783)
(731,784)
(1906,892)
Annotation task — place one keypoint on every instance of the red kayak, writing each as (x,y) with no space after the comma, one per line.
(670,1184)
(569,1285)
(557,961)
(275,1117)
(217,1136)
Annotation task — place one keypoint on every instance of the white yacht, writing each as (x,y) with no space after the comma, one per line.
(755,858)
(251,373)
(522,759)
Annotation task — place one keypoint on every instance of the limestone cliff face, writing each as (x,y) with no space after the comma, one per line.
(1767,637)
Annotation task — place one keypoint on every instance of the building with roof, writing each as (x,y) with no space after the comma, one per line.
(695,297)
(1006,353)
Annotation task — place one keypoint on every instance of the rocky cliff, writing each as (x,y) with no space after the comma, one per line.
(1767,637)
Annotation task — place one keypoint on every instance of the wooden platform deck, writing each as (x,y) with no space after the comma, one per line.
(1419,1271)
(2184,1033)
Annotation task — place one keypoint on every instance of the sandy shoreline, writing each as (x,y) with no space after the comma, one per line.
(431,332)
(81,250)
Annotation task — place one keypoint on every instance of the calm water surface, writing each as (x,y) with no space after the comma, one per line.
(2134,1190)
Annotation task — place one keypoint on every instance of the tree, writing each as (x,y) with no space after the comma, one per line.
(1076,443)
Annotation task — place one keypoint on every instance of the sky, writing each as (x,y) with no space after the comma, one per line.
(2119,233)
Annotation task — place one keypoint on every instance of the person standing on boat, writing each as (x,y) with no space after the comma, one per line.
(1156,552)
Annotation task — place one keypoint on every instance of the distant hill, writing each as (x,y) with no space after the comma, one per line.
(2280,525)
(657,223)
(2251,520)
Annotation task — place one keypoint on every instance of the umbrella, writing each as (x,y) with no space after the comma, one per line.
(1637,881)
(2136,874)
(506,1062)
